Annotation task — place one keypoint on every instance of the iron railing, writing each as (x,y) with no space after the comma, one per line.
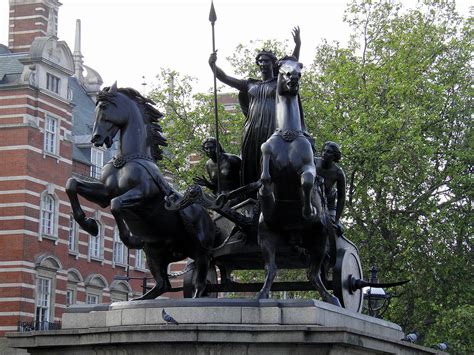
(37,325)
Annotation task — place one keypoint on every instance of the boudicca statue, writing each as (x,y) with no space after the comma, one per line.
(293,224)
(257,101)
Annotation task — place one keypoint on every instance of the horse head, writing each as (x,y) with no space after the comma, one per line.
(110,116)
(289,75)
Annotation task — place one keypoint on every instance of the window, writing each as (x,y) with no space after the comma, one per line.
(97,161)
(70,94)
(43,302)
(92,299)
(70,297)
(119,249)
(50,135)
(140,259)
(52,83)
(72,240)
(229,107)
(48,206)
(94,246)
(95,286)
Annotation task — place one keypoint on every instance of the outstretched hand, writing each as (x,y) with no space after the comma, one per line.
(202,181)
(296,35)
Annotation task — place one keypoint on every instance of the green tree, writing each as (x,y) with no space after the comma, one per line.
(398,99)
(189,118)
(243,58)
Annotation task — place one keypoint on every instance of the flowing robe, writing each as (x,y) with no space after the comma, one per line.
(259,125)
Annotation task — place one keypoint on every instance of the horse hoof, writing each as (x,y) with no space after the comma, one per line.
(146,296)
(199,293)
(310,215)
(134,243)
(90,226)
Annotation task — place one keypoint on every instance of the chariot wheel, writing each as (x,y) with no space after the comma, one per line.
(189,277)
(347,269)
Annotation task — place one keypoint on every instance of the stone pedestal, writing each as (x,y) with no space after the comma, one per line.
(217,326)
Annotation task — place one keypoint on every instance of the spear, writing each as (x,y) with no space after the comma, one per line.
(212,19)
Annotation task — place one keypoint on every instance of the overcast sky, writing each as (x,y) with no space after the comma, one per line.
(124,40)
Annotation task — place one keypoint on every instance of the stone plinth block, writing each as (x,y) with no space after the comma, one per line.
(217,326)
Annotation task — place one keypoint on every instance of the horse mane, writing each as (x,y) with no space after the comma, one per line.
(150,114)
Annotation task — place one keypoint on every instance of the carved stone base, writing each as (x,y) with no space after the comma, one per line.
(217,326)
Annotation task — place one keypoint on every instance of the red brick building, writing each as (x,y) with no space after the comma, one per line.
(46,113)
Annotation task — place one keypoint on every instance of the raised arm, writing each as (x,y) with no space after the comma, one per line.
(233,82)
(296,37)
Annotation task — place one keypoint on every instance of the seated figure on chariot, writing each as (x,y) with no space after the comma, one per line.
(229,165)
(334,181)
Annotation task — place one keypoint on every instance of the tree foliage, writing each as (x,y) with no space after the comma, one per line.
(398,100)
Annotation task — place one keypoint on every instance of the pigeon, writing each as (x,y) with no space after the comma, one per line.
(440,346)
(167,318)
(411,338)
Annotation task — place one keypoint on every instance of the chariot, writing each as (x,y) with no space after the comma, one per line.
(238,249)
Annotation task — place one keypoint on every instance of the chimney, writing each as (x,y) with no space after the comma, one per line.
(30,19)
(78,62)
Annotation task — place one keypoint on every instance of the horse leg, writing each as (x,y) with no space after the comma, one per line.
(316,257)
(205,234)
(203,228)
(307,183)
(91,191)
(129,199)
(158,266)
(265,193)
(266,240)
(201,264)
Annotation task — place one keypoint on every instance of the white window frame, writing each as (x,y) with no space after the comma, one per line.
(140,260)
(73,234)
(70,297)
(92,296)
(43,301)
(51,131)
(94,246)
(120,251)
(97,162)
(48,215)
(53,83)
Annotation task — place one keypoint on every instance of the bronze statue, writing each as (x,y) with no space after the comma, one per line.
(290,204)
(135,189)
(334,180)
(229,168)
(257,98)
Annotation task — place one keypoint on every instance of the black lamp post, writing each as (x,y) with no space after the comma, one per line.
(376,300)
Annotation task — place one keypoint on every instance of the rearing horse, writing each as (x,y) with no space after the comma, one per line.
(135,189)
(290,202)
